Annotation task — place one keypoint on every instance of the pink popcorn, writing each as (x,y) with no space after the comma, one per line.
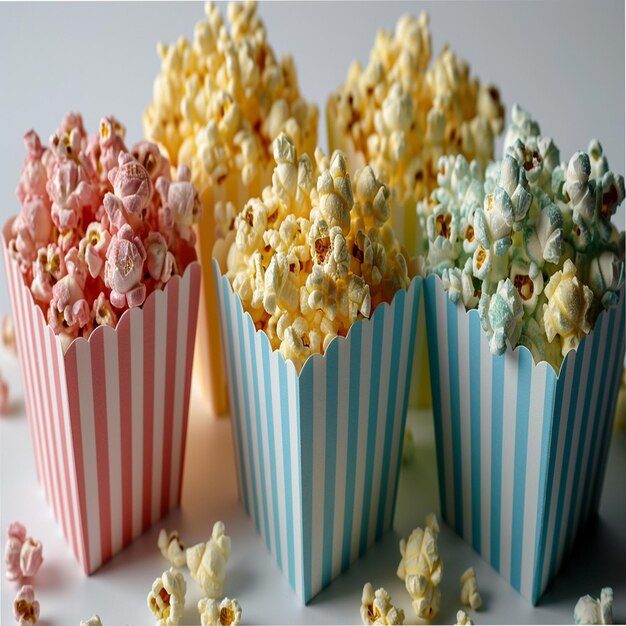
(16,535)
(160,261)
(70,137)
(110,144)
(69,194)
(123,270)
(102,312)
(31,557)
(48,268)
(69,310)
(25,607)
(181,204)
(149,155)
(33,176)
(93,247)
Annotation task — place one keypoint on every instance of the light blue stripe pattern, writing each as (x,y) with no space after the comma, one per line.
(567,483)
(320,387)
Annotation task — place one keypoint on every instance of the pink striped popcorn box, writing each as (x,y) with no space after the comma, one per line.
(521,450)
(318,453)
(108,417)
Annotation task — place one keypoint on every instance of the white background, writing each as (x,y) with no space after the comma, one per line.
(563,61)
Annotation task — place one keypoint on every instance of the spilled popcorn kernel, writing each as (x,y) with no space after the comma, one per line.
(469,590)
(376,607)
(25,607)
(166,599)
(207,561)
(463,619)
(16,536)
(215,613)
(172,548)
(588,610)
(94,620)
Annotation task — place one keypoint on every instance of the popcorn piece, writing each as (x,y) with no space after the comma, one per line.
(224,613)
(606,277)
(7,332)
(421,568)
(501,316)
(588,610)
(207,561)
(16,536)
(25,607)
(376,608)
(463,619)
(94,620)
(31,557)
(166,599)
(567,312)
(172,548)
(469,590)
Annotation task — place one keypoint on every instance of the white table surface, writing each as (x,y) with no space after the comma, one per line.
(117,592)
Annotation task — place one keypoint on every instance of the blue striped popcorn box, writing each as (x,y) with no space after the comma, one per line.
(318,453)
(521,450)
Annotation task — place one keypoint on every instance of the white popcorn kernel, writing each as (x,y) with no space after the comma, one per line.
(469,589)
(463,619)
(588,610)
(94,620)
(207,562)
(421,568)
(166,599)
(376,607)
(172,548)
(281,288)
(224,613)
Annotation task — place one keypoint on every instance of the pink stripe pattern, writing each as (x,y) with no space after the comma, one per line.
(91,413)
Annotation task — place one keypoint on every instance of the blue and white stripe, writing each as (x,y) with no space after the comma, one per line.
(521,451)
(318,454)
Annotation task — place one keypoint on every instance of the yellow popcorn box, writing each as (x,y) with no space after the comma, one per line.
(318,453)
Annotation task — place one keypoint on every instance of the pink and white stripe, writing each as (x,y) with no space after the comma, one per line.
(108,419)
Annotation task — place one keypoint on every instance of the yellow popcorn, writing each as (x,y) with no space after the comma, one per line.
(94,620)
(469,589)
(172,548)
(224,613)
(310,257)
(166,599)
(421,568)
(207,561)
(463,619)
(568,311)
(376,608)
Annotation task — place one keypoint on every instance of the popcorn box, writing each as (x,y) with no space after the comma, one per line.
(521,451)
(318,454)
(108,418)
(209,373)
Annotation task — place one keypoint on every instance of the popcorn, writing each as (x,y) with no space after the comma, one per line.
(591,611)
(402,112)
(93,234)
(421,568)
(25,607)
(31,557)
(224,613)
(376,608)
(7,333)
(207,561)
(469,590)
(172,548)
(166,599)
(94,620)
(310,257)
(16,536)
(220,101)
(529,242)
(463,619)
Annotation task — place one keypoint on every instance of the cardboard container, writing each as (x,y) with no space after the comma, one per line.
(521,451)
(209,375)
(108,418)
(318,454)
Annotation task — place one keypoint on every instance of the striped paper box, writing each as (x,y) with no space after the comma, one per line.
(318,454)
(108,418)
(521,451)
(209,375)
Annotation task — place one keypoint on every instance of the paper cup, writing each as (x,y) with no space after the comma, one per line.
(318,454)
(209,373)
(108,418)
(521,451)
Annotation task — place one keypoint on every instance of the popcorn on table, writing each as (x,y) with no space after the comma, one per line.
(220,100)
(376,607)
(23,555)
(172,548)
(25,607)
(588,610)
(463,619)
(216,613)
(528,240)
(469,590)
(421,568)
(94,620)
(404,110)
(207,562)
(315,252)
(166,599)
(8,333)
(100,227)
